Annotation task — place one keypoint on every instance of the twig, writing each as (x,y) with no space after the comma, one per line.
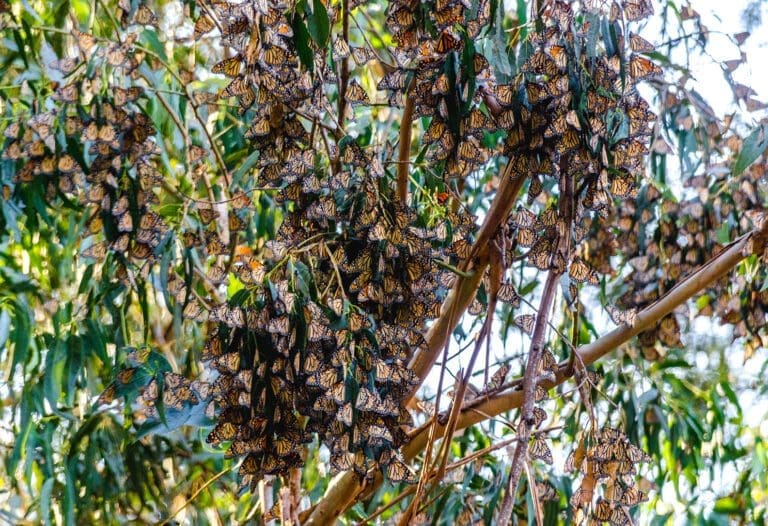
(344,66)
(194,495)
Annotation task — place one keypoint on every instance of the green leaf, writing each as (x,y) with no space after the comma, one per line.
(318,23)
(246,165)
(45,500)
(753,147)
(301,38)
(727,505)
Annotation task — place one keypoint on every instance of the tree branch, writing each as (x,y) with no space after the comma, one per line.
(530,381)
(530,377)
(404,151)
(346,487)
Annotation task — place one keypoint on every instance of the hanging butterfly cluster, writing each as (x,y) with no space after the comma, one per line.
(609,464)
(441,85)
(582,121)
(319,340)
(112,174)
(686,235)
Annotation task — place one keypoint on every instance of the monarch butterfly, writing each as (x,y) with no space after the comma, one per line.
(539,416)
(580,272)
(604,510)
(637,9)
(568,142)
(362,55)
(85,41)
(548,218)
(344,415)
(638,44)
(435,131)
(507,294)
(367,400)
(505,94)
(537,93)
(546,491)
(235,26)
(274,56)
(46,166)
(42,124)
(340,49)
(96,250)
(203,25)
(642,68)
(526,237)
(497,380)
(229,66)
(469,150)
(406,38)
(523,218)
(125,223)
(450,15)
(12,130)
(539,450)
(228,363)
(540,63)
(635,454)
(633,496)
(213,345)
(447,41)
(214,245)
(525,322)
(398,471)
(356,94)
(394,80)
(117,56)
(192,310)
(340,462)
(67,94)
(558,54)
(401,18)
(144,16)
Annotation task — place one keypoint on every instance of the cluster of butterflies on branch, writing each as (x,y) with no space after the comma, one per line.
(607,461)
(297,329)
(318,340)
(112,172)
(688,234)
(322,346)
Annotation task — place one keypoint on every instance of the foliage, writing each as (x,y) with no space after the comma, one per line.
(236,236)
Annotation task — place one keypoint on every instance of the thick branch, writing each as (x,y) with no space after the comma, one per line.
(346,487)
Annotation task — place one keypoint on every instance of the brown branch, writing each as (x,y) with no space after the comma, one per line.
(346,487)
(404,151)
(530,377)
(530,381)
(344,65)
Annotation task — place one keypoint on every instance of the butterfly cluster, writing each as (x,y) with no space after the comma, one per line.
(318,341)
(112,173)
(440,84)
(684,237)
(581,123)
(610,463)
